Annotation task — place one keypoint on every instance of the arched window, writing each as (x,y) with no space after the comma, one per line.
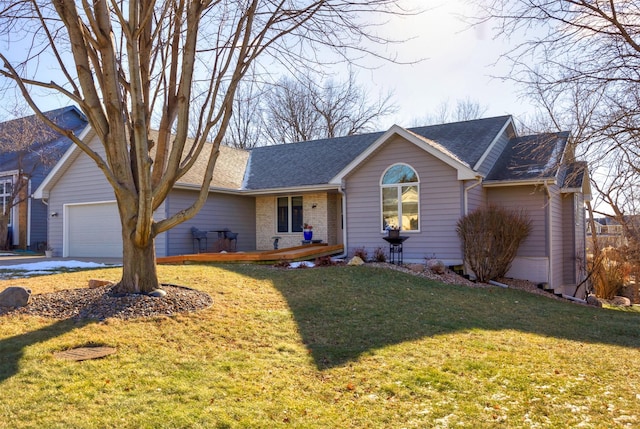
(400,198)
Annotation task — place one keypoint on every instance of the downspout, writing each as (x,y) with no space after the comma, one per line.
(344,220)
(466,194)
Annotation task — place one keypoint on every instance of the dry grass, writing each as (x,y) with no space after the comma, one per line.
(326,347)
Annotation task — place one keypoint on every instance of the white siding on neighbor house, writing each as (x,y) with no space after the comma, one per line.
(236,213)
(441,200)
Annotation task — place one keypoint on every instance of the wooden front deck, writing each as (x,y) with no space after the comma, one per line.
(289,254)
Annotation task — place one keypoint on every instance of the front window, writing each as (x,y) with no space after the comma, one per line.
(289,214)
(400,198)
(6,190)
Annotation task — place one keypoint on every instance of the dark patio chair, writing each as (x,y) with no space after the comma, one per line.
(232,237)
(198,236)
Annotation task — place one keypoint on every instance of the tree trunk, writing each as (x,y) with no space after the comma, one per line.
(139,274)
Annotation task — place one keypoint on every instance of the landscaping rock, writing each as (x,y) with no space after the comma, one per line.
(356,260)
(15,296)
(158,293)
(593,300)
(95,283)
(621,301)
(416,268)
(436,266)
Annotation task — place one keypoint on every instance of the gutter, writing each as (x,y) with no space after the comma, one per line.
(466,194)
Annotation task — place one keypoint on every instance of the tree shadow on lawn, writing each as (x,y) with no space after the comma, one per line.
(12,348)
(344,312)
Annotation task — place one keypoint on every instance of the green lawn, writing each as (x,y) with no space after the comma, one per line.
(337,347)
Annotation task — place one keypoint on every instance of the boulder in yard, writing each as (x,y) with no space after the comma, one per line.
(436,266)
(356,260)
(621,301)
(96,283)
(416,268)
(593,300)
(15,296)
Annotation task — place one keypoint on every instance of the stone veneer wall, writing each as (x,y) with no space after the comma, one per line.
(322,218)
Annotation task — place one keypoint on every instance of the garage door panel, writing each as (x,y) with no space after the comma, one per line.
(93,230)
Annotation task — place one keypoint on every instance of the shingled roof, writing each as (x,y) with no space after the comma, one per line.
(51,145)
(317,162)
(530,157)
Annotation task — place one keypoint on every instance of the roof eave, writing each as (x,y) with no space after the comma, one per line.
(266,191)
(464,171)
(525,182)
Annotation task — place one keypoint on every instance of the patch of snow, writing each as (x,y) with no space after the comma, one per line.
(53,265)
(302,263)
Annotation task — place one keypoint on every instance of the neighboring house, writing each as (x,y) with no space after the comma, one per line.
(351,189)
(35,159)
(610,232)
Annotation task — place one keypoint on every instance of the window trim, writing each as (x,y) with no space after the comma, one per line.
(398,187)
(4,179)
(290,229)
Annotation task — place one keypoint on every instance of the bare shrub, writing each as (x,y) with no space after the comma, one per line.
(613,272)
(490,240)
(324,261)
(361,253)
(379,255)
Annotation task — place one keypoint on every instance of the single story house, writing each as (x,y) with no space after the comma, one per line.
(29,149)
(351,189)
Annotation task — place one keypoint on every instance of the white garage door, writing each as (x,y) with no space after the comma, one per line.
(93,230)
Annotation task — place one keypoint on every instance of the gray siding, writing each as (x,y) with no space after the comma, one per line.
(534,202)
(237,213)
(440,204)
(569,245)
(574,250)
(82,182)
(557,237)
(476,196)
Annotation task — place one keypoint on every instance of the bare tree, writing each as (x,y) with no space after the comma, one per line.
(301,109)
(23,148)
(247,127)
(463,110)
(134,65)
(580,60)
(289,113)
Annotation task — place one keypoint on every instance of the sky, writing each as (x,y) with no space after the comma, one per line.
(457,63)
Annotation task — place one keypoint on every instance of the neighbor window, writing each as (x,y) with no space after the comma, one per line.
(6,189)
(290,214)
(400,198)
